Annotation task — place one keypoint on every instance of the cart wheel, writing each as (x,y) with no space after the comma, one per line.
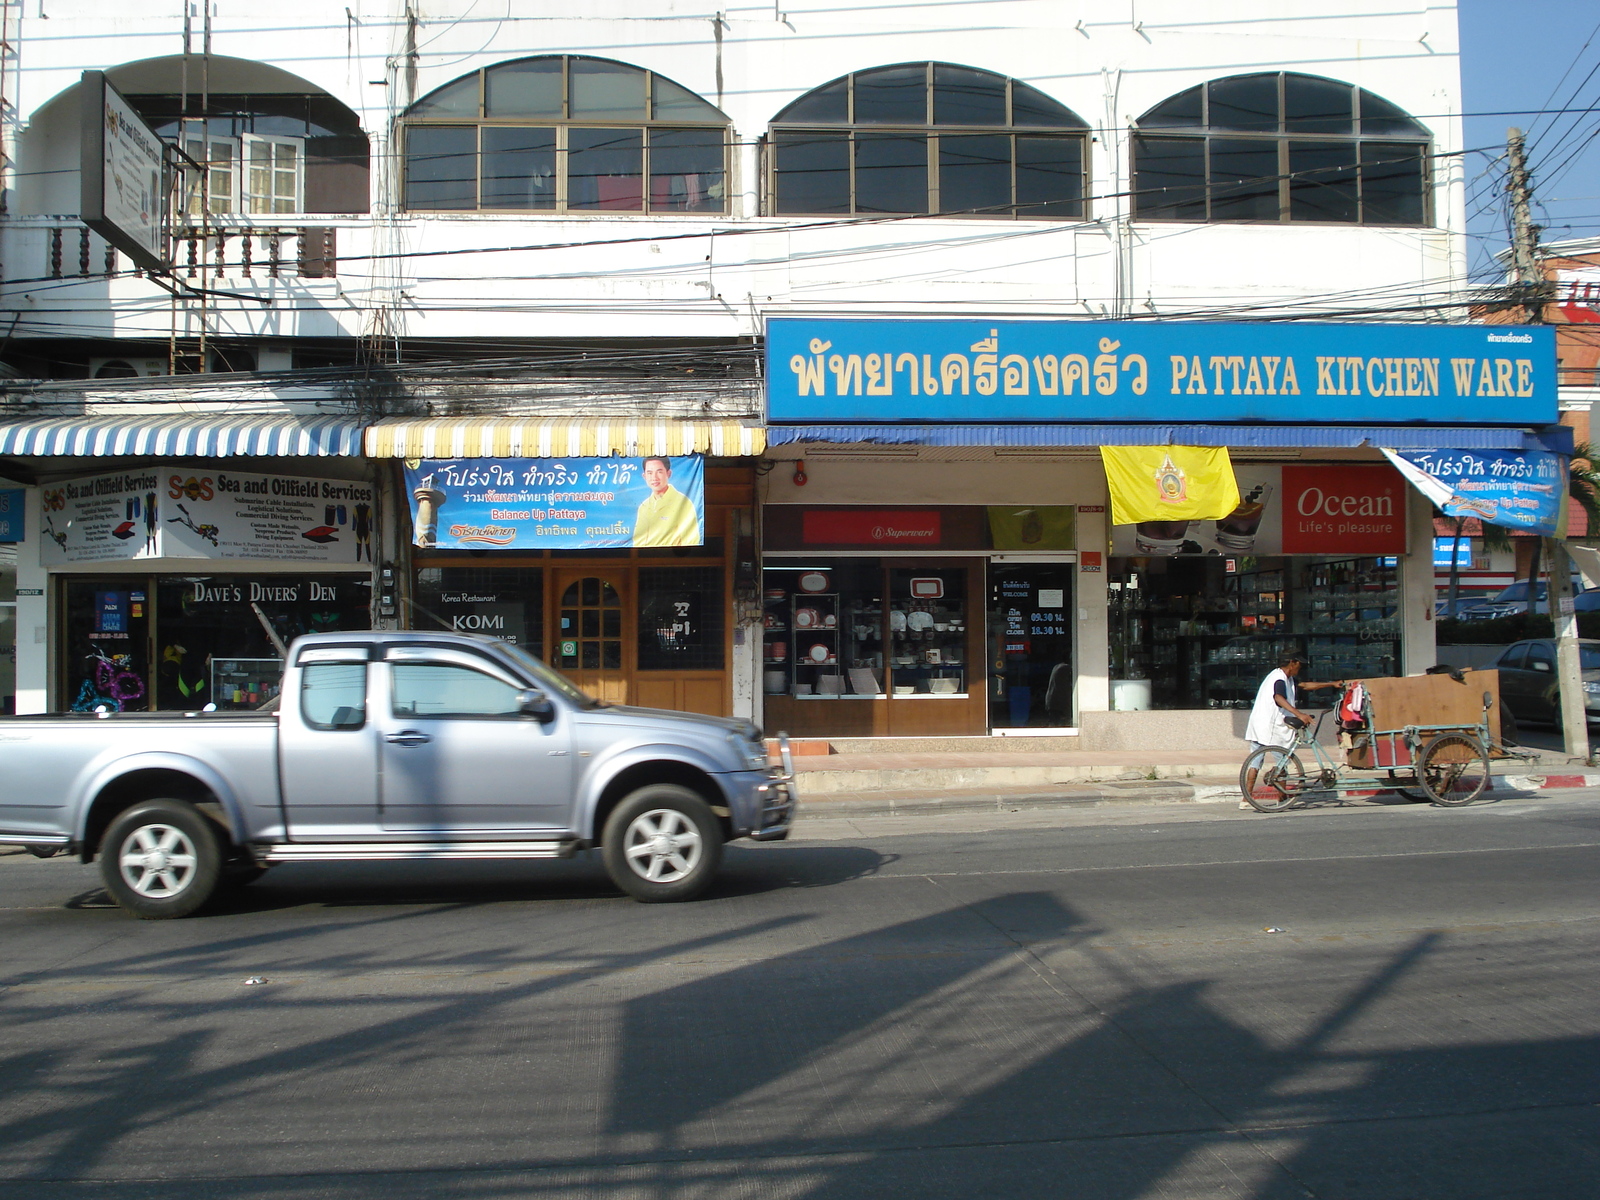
(1454,769)
(1279,778)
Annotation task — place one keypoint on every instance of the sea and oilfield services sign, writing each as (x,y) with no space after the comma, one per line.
(164,511)
(557,503)
(1158,371)
(1520,489)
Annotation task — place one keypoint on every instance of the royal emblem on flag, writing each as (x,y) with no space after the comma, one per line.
(1171,485)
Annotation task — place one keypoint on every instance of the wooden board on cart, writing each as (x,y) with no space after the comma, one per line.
(1430,700)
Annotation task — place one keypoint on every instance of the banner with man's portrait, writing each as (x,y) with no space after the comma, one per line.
(557,503)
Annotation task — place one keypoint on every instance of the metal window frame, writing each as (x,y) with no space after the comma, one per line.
(561,125)
(931,133)
(1284,139)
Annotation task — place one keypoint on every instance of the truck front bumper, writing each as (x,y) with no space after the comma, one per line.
(775,798)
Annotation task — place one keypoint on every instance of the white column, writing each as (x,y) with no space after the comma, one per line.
(1094,637)
(33,615)
(1418,649)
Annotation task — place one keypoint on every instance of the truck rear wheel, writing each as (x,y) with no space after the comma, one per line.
(662,843)
(160,859)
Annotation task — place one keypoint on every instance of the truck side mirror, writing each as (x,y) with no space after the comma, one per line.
(531,702)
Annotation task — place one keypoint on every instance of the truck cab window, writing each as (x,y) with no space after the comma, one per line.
(334,695)
(445,690)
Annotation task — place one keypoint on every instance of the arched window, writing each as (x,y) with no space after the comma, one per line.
(565,133)
(1280,147)
(928,138)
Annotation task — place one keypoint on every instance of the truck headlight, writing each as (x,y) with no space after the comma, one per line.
(754,754)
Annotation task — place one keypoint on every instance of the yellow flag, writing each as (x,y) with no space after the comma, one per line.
(1169,483)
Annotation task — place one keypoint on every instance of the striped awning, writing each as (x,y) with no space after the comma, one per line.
(199,436)
(572,437)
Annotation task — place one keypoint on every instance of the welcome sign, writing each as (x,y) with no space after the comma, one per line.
(988,371)
(557,503)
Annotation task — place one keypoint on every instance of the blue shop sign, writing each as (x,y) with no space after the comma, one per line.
(557,503)
(994,371)
(11,515)
(1524,490)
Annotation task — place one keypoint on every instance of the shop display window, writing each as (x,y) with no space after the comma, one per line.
(828,632)
(680,618)
(1202,632)
(502,602)
(138,642)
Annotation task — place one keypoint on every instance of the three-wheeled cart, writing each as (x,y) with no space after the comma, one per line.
(1428,737)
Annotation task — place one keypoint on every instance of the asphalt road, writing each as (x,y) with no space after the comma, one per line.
(1128,1001)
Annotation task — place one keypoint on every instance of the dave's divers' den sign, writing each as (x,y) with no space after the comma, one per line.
(164,511)
(557,503)
(932,371)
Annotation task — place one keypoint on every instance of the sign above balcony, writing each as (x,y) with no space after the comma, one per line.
(124,198)
(1325,374)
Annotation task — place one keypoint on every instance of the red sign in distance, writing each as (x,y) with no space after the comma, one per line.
(869,527)
(1339,509)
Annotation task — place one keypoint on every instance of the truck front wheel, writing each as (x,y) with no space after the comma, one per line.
(662,843)
(160,859)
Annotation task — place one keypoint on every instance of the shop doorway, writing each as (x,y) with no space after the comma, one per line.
(1030,627)
(592,612)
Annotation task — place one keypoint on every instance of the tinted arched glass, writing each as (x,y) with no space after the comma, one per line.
(565,133)
(928,137)
(1280,146)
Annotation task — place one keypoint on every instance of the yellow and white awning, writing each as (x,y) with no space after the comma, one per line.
(568,437)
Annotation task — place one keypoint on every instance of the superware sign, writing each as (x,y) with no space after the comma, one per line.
(1357,509)
(878,527)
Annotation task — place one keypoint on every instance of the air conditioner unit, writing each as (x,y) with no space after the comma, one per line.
(126,368)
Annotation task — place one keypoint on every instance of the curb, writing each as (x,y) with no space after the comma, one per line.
(1165,791)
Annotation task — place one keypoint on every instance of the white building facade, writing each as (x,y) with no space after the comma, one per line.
(616,207)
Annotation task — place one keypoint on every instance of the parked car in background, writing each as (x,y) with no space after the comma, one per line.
(1443,608)
(1513,600)
(1528,684)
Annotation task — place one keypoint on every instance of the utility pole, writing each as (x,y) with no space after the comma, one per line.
(1531,283)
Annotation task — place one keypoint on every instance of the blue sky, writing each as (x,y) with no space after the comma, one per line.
(1513,56)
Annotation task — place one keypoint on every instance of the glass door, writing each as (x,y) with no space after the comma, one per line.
(105,661)
(1030,646)
(592,611)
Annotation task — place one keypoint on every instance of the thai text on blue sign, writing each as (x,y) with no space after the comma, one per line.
(11,515)
(1524,490)
(943,370)
(557,503)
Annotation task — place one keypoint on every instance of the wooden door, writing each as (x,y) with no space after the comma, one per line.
(593,618)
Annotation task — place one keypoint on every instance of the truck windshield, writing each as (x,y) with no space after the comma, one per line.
(548,678)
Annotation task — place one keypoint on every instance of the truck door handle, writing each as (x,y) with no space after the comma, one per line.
(407,737)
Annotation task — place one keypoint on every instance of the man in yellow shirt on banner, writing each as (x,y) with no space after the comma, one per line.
(667,516)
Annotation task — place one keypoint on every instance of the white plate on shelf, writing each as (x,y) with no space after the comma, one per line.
(897,621)
(813,581)
(919,620)
(818,653)
(805,618)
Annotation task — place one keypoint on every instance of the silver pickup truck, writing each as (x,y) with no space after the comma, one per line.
(390,746)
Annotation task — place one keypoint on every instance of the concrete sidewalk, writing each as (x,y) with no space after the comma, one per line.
(891,775)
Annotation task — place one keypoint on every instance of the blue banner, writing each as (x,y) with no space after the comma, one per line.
(557,503)
(1524,490)
(11,515)
(997,371)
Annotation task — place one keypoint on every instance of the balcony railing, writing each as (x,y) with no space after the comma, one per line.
(230,252)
